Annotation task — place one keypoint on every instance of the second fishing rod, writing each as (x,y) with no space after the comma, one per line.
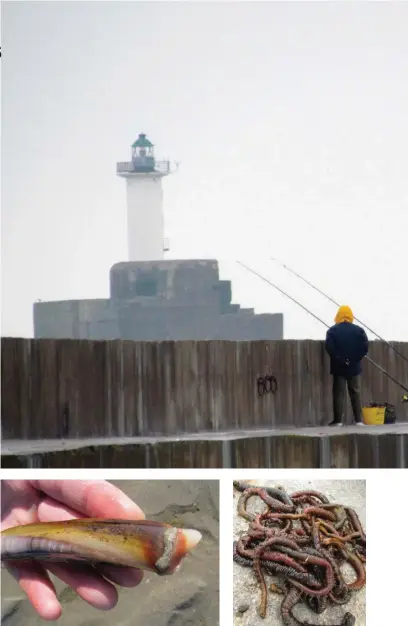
(394,380)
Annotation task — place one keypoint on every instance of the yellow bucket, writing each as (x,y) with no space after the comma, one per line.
(373,416)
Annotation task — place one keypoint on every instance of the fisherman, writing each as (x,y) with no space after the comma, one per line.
(347,345)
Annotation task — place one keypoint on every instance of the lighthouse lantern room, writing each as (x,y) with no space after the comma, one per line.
(143,154)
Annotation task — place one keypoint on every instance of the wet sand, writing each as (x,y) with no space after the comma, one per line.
(246,588)
(189,597)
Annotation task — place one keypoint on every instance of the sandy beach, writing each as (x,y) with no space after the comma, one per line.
(189,597)
(246,588)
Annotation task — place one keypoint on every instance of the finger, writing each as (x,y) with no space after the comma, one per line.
(87,583)
(50,510)
(123,576)
(18,503)
(35,582)
(92,498)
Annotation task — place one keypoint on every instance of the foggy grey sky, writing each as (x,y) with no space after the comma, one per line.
(290,123)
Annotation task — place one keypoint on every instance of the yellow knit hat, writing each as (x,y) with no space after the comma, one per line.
(344,314)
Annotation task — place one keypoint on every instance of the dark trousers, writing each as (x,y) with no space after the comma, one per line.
(339,393)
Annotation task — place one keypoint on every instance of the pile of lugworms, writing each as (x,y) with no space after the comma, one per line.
(304,540)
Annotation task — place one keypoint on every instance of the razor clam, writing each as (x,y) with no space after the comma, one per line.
(143,544)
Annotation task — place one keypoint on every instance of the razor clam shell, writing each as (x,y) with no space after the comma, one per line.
(142,544)
(38,548)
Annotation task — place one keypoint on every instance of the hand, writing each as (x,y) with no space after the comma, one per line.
(30,501)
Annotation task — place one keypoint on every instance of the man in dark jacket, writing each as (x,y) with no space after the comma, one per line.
(347,345)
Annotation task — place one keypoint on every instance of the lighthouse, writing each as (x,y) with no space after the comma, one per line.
(152,298)
(145,224)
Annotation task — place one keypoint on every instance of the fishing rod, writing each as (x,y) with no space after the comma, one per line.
(266,280)
(337,304)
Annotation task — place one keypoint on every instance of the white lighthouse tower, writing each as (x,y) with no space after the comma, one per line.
(144,201)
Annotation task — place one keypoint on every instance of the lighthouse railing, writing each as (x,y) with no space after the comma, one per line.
(129,167)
